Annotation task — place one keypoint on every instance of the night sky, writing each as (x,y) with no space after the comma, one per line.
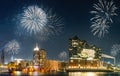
(76,18)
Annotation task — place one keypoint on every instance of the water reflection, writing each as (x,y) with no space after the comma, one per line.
(18,73)
(86,73)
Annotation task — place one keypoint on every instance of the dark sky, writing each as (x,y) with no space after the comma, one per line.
(76,16)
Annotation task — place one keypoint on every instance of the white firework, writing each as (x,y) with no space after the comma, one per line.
(103,13)
(55,23)
(12,47)
(33,19)
(114,53)
(39,22)
(115,49)
(63,55)
(99,28)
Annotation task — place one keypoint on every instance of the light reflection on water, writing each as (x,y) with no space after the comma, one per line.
(92,74)
(18,73)
(82,74)
(63,74)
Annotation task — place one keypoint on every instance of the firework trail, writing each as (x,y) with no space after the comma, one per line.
(63,55)
(103,13)
(115,49)
(12,48)
(39,22)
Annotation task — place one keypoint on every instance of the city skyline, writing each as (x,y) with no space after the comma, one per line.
(76,19)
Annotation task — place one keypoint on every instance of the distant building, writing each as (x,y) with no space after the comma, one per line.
(82,55)
(2,56)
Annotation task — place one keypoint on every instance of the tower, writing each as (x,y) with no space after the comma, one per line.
(36,55)
(39,56)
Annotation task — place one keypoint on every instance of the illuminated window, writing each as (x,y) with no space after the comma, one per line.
(71,60)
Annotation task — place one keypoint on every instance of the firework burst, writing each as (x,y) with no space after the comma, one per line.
(33,19)
(63,55)
(103,13)
(100,28)
(12,47)
(115,49)
(38,22)
(55,23)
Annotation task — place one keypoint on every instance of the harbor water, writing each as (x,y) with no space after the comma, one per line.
(63,74)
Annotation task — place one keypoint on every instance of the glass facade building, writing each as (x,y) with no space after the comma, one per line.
(82,55)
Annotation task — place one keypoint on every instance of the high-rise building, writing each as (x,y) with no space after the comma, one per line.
(83,55)
(42,57)
(80,48)
(39,56)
